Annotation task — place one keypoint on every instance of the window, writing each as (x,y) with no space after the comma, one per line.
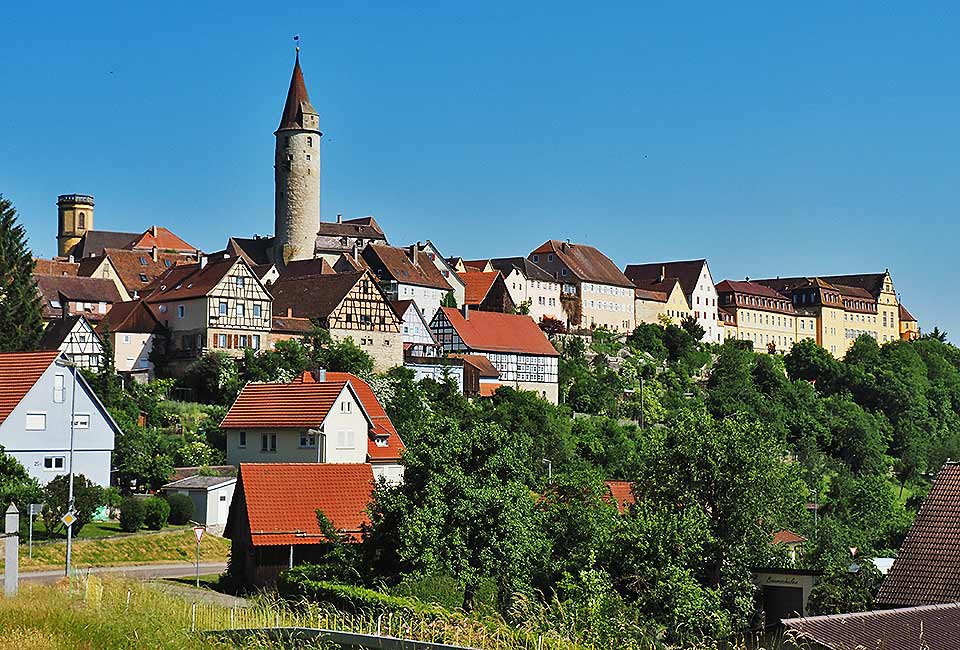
(143,277)
(54,463)
(256,341)
(242,441)
(81,421)
(257,310)
(308,439)
(181,311)
(241,309)
(241,281)
(243,340)
(345,440)
(166,264)
(268,442)
(58,389)
(345,406)
(536,258)
(221,340)
(309,141)
(36,422)
(143,261)
(223,309)
(550,257)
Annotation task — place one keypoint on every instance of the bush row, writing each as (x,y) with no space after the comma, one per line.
(154,512)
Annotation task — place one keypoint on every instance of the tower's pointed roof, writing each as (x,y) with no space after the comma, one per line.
(298,101)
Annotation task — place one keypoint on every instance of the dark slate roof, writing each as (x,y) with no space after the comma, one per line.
(687,271)
(95,241)
(199,482)
(927,568)
(254,250)
(527,268)
(933,627)
(131,317)
(57,331)
(79,289)
(305,268)
(351,228)
(313,296)
(872,282)
(393,263)
(585,262)
(906,315)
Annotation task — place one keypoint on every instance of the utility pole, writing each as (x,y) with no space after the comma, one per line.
(546,461)
(69,517)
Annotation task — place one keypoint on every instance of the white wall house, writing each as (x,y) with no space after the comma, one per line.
(697,284)
(211,497)
(418,340)
(330,418)
(75,337)
(35,414)
(448,272)
(530,284)
(409,274)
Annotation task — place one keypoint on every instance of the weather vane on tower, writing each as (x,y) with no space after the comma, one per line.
(296,39)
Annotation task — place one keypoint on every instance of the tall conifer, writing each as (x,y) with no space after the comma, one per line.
(21,324)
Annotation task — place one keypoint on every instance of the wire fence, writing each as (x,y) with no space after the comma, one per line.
(270,614)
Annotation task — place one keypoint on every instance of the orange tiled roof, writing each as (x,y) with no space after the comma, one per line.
(490,331)
(382,425)
(481,363)
(621,493)
(478,284)
(163,239)
(55,267)
(787,537)
(488,389)
(282,500)
(19,371)
(906,316)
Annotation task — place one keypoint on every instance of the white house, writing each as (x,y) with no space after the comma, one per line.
(529,284)
(408,274)
(447,270)
(697,284)
(323,417)
(521,353)
(132,328)
(76,338)
(418,340)
(37,396)
(211,496)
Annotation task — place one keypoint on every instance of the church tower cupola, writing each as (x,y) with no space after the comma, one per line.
(296,173)
(74,219)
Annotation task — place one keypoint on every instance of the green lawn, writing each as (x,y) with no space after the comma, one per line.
(207,581)
(93,530)
(176,545)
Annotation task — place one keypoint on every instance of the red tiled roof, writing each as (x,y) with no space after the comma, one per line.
(133,266)
(291,325)
(621,493)
(298,101)
(927,568)
(55,267)
(162,239)
(291,405)
(687,271)
(477,285)
(934,627)
(19,371)
(396,264)
(191,280)
(481,363)
(282,500)
(78,288)
(489,331)
(133,316)
(906,316)
(787,537)
(586,263)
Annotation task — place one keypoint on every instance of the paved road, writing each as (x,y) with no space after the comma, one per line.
(139,571)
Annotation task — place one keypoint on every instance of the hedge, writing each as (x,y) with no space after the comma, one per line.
(299,583)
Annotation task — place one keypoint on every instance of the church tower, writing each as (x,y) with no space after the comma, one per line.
(296,170)
(74,219)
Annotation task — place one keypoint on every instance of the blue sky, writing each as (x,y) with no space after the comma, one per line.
(819,139)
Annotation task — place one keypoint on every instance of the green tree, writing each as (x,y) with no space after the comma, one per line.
(16,484)
(87,498)
(21,325)
(692,327)
(449,300)
(463,509)
(143,459)
(847,587)
(337,356)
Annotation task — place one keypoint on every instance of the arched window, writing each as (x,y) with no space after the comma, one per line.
(82,221)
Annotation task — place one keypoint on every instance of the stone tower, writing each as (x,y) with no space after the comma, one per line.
(74,219)
(296,166)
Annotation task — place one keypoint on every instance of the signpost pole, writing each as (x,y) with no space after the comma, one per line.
(31,531)
(11,574)
(198,533)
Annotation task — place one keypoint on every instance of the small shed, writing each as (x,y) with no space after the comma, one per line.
(211,496)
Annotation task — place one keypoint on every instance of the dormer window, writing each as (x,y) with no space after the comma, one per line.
(143,261)
(143,277)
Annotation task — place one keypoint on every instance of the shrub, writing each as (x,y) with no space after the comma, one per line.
(299,583)
(181,508)
(87,499)
(131,514)
(156,511)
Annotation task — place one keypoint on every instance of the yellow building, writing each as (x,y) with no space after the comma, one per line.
(844,306)
(660,301)
(909,328)
(757,313)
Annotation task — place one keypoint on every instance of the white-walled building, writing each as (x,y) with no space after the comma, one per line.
(697,284)
(327,417)
(529,284)
(133,329)
(37,397)
(211,497)
(76,338)
(408,274)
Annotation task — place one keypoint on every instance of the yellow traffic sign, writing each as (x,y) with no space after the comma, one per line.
(68,519)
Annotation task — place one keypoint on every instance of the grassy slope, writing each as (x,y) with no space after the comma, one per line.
(176,546)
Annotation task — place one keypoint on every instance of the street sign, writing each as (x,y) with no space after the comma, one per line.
(198,532)
(36,508)
(68,519)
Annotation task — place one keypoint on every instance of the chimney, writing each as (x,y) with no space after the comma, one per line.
(663,273)
(415,254)
(564,245)
(153,253)
(203,261)
(339,218)
(466,311)
(70,259)
(356,251)
(320,375)
(197,254)
(153,230)
(289,312)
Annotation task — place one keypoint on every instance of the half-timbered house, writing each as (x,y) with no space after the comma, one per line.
(218,304)
(349,305)
(513,343)
(408,274)
(76,338)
